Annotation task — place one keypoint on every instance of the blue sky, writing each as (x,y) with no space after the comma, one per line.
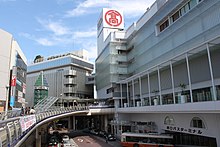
(51,27)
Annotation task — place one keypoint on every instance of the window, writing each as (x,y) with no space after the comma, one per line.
(175,16)
(169,120)
(181,11)
(91,79)
(164,25)
(69,76)
(192,3)
(196,122)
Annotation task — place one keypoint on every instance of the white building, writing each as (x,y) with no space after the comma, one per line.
(14,66)
(164,70)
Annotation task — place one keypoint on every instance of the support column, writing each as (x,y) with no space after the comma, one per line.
(148,81)
(106,123)
(140,91)
(128,96)
(38,137)
(189,78)
(133,93)
(74,123)
(69,123)
(172,80)
(121,95)
(159,85)
(211,73)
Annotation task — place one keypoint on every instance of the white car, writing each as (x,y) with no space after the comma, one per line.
(66,141)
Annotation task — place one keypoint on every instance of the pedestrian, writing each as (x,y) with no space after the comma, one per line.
(106,139)
(29,108)
(32,111)
(22,111)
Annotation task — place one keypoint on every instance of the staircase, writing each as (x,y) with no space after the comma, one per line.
(45,103)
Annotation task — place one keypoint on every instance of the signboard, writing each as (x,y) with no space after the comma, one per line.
(21,100)
(12,101)
(184,130)
(20,97)
(27,121)
(13,80)
(24,88)
(13,86)
(111,18)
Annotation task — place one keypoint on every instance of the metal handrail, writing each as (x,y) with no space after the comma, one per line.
(9,114)
(6,118)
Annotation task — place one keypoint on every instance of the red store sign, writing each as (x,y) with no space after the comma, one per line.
(13,81)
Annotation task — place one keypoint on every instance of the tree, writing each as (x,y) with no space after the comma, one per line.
(183,87)
(37,58)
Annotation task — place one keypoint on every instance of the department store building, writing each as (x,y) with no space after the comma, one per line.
(163,71)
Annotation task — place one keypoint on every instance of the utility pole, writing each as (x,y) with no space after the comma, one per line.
(7,98)
(6,102)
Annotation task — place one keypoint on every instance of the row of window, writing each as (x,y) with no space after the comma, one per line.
(196,122)
(182,11)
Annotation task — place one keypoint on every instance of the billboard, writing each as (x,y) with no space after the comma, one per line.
(27,121)
(111,18)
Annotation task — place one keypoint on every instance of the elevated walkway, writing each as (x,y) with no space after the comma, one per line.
(14,131)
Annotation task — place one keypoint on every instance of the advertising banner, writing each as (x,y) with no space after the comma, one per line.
(13,86)
(24,88)
(12,101)
(13,80)
(27,121)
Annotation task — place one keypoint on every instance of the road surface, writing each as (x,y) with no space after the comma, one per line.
(94,141)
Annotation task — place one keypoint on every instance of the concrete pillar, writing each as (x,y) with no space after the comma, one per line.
(172,79)
(189,77)
(69,123)
(106,123)
(121,95)
(149,90)
(74,123)
(214,96)
(38,137)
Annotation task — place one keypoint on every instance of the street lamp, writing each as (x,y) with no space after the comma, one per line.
(61,99)
(7,98)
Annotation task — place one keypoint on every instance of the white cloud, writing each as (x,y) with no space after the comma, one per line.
(45,42)
(86,7)
(91,47)
(131,8)
(41,41)
(55,27)
(85,34)
(85,38)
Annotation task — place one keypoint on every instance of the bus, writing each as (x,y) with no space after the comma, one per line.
(129,139)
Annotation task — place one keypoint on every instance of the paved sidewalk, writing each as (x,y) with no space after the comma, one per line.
(73,143)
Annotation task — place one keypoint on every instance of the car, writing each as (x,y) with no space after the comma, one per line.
(67,144)
(110,137)
(66,141)
(94,132)
(102,133)
(53,141)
